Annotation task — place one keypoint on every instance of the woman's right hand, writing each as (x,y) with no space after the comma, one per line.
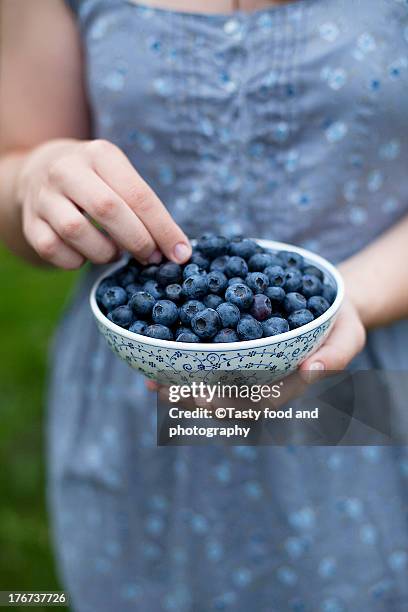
(64,184)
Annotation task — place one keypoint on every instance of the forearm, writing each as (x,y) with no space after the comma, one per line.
(377,278)
(57,104)
(11,232)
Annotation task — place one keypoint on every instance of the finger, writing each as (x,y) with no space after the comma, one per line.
(344,342)
(76,230)
(89,192)
(50,247)
(151,385)
(123,179)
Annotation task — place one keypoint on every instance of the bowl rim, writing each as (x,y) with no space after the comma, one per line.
(213,347)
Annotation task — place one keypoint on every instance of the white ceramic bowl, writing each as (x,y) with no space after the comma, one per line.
(181,362)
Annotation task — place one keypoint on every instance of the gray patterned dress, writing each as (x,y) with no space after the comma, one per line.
(289,123)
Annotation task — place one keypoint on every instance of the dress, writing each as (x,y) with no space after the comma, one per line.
(288,123)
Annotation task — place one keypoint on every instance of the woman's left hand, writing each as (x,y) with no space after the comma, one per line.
(344,342)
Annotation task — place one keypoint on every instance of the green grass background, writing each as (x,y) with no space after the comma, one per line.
(31,301)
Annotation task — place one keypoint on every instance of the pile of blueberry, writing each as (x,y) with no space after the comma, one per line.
(230,290)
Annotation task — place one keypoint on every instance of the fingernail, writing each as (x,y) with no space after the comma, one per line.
(315,370)
(155,257)
(182,252)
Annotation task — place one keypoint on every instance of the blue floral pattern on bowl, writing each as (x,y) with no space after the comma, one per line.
(181,366)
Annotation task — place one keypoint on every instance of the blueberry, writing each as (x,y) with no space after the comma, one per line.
(249,328)
(274,257)
(293,280)
(226,335)
(142,303)
(169,273)
(311,285)
(206,323)
(291,260)
(276,275)
(317,305)
(294,301)
(153,287)
(191,270)
(187,336)
(133,288)
(107,283)
(257,281)
(260,261)
(149,273)
(242,247)
(261,308)
(229,314)
(201,260)
(173,292)
(280,313)
(122,315)
(212,245)
(275,325)
(138,327)
(276,295)
(160,332)
(217,281)
(195,286)
(212,301)
(181,329)
(240,295)
(165,312)
(125,276)
(114,297)
(220,263)
(329,293)
(309,269)
(299,318)
(236,266)
(189,309)
(235,280)
(133,265)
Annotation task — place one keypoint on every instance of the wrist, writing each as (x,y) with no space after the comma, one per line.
(358,291)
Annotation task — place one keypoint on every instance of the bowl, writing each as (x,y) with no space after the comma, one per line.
(171,362)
